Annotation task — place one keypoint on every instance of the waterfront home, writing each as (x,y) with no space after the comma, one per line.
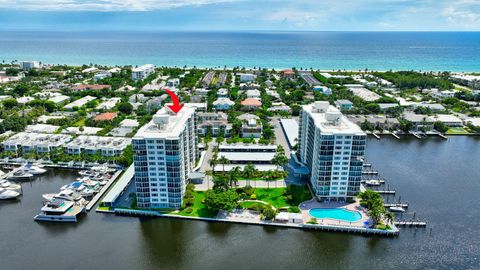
(421,122)
(107,146)
(251,104)
(344,104)
(251,126)
(447,119)
(222,104)
(35,142)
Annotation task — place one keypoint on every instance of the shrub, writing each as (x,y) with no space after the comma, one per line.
(294,209)
(268,212)
(312,221)
(253,196)
(189,210)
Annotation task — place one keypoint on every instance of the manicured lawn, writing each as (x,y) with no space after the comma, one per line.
(273,196)
(199,209)
(457,130)
(251,205)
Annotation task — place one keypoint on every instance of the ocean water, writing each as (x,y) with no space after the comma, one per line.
(437,51)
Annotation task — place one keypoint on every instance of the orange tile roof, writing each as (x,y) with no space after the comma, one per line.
(251,102)
(288,71)
(105,116)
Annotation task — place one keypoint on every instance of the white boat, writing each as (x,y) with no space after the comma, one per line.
(396,209)
(102,169)
(33,169)
(6,194)
(21,174)
(67,194)
(10,186)
(373,183)
(60,211)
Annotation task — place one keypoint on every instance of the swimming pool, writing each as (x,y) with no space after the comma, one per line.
(336,213)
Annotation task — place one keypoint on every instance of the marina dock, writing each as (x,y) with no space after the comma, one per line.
(411,223)
(403,205)
(102,191)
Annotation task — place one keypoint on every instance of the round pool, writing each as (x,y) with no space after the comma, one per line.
(336,213)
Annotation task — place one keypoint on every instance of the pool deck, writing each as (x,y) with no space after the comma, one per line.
(305,207)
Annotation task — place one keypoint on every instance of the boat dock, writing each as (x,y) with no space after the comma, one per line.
(10,173)
(386,192)
(395,135)
(411,223)
(403,205)
(376,135)
(102,191)
(370,172)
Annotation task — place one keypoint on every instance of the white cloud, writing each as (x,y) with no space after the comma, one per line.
(102,5)
(464,13)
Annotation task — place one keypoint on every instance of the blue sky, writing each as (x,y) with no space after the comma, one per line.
(238,15)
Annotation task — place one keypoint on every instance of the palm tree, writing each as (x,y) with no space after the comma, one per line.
(249,171)
(214,162)
(223,160)
(234,174)
(209,174)
(389,216)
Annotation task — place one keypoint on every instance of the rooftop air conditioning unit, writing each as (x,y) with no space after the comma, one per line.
(161,120)
(321,106)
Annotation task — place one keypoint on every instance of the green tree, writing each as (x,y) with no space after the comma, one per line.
(125,107)
(221,200)
(223,160)
(10,103)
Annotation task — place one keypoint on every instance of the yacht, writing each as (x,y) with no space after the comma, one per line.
(396,209)
(67,194)
(60,211)
(10,186)
(373,183)
(102,169)
(34,169)
(80,188)
(21,174)
(6,194)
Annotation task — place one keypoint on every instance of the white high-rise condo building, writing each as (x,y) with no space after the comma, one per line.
(142,72)
(165,152)
(333,149)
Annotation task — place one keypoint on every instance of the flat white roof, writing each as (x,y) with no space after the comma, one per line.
(119,186)
(290,128)
(343,126)
(172,129)
(247,156)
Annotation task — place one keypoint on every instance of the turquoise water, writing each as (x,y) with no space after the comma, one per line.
(336,213)
(438,51)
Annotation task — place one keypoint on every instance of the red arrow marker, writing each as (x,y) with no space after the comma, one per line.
(176,107)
